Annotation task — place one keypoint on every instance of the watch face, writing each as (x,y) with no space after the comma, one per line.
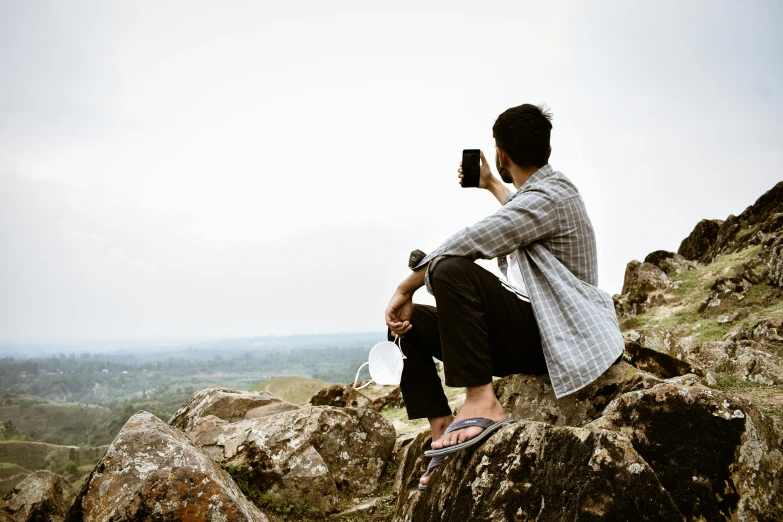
(415,258)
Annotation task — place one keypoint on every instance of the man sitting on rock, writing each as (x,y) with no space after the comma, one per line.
(547,316)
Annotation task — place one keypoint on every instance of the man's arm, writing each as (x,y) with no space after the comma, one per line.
(498,189)
(400,309)
(527,217)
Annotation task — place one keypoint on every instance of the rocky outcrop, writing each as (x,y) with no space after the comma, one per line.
(228,405)
(654,362)
(534,471)
(725,291)
(645,286)
(754,226)
(696,246)
(42,496)
(743,360)
(341,395)
(715,453)
(312,457)
(672,264)
(775,262)
(658,338)
(531,397)
(153,472)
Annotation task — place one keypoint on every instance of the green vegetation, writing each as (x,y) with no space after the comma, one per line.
(726,380)
(11,475)
(279,505)
(695,287)
(296,390)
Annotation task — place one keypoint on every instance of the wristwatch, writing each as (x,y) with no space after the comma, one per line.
(415,258)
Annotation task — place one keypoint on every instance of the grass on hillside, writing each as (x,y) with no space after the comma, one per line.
(296,390)
(10,476)
(56,423)
(695,287)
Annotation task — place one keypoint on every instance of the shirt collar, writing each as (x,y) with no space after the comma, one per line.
(540,174)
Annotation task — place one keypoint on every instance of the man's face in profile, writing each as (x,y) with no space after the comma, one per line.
(505,175)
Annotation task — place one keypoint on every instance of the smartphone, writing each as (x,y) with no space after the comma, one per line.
(470,167)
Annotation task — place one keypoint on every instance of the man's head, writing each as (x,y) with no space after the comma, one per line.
(522,133)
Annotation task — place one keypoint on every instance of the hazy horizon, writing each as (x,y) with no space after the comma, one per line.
(193,171)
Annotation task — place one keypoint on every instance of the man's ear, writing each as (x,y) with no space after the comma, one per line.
(549,153)
(502,157)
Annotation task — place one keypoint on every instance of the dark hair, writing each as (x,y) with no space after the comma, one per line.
(523,133)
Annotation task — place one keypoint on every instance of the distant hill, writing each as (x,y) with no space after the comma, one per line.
(10,476)
(52,422)
(297,390)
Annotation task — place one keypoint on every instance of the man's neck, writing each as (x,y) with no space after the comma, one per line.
(521,174)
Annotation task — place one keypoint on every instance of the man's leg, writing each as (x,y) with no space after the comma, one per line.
(485,330)
(420,384)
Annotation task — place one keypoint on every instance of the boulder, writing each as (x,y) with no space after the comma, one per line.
(313,457)
(775,262)
(757,224)
(531,397)
(768,333)
(744,360)
(725,292)
(698,243)
(645,286)
(658,338)
(714,452)
(229,405)
(340,395)
(672,264)
(153,472)
(535,471)
(654,362)
(42,496)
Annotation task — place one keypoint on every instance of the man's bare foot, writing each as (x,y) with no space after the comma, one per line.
(480,401)
(438,426)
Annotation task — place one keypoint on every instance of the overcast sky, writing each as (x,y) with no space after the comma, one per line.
(196,170)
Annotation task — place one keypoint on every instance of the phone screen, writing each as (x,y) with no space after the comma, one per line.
(470,167)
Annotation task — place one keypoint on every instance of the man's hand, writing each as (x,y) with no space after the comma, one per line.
(399,312)
(486,179)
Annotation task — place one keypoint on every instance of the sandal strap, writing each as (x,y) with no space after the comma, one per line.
(481,422)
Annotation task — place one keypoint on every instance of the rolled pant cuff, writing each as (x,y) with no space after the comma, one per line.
(461,383)
(431,414)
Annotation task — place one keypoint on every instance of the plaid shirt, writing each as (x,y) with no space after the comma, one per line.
(545,225)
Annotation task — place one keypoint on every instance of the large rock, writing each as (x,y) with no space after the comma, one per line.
(726,292)
(698,243)
(744,360)
(340,395)
(153,472)
(769,333)
(715,453)
(658,338)
(672,264)
(645,286)
(775,262)
(42,496)
(531,397)
(228,405)
(754,226)
(654,362)
(535,471)
(313,457)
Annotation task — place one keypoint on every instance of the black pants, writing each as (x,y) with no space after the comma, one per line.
(479,329)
